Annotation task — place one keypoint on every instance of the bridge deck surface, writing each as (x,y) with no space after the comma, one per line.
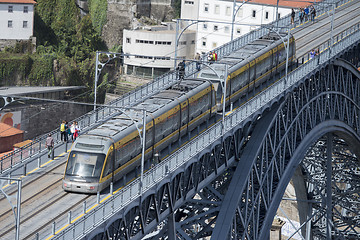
(44,201)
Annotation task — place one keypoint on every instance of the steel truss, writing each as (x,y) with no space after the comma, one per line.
(232,191)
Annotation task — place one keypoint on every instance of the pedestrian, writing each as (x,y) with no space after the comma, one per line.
(301,15)
(197,59)
(72,131)
(312,54)
(181,70)
(292,16)
(306,13)
(63,131)
(210,57)
(313,13)
(68,132)
(77,130)
(50,145)
(214,56)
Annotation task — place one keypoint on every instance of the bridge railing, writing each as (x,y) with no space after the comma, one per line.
(92,118)
(155,175)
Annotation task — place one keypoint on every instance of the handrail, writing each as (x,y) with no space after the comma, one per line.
(156,174)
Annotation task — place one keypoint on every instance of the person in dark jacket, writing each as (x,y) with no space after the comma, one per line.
(181,70)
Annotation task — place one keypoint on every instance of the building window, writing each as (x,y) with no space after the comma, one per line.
(205,26)
(25,24)
(10,8)
(238,31)
(162,43)
(189,2)
(217,9)
(240,12)
(266,15)
(204,42)
(214,45)
(26,9)
(228,11)
(216,27)
(253,13)
(278,15)
(10,25)
(128,40)
(192,41)
(227,29)
(206,7)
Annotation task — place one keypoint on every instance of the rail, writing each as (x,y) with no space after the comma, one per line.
(93,118)
(155,175)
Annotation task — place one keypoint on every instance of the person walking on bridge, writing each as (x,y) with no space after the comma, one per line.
(63,128)
(181,70)
(50,145)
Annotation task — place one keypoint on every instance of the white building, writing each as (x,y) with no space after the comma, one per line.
(16,19)
(150,51)
(219,14)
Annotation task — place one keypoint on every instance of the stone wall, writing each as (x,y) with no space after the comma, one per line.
(119,16)
(125,14)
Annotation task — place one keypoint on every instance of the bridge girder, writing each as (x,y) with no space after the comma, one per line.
(195,195)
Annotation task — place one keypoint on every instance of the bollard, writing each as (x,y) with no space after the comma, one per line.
(98,197)
(53,230)
(111,188)
(66,145)
(39,162)
(69,217)
(84,207)
(24,173)
(37,236)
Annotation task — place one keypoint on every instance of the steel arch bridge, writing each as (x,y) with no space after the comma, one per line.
(233,189)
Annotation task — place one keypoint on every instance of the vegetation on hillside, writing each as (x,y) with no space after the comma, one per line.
(66,46)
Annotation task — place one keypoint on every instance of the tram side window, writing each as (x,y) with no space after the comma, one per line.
(184,115)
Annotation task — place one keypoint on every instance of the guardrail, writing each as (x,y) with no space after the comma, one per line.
(92,118)
(155,175)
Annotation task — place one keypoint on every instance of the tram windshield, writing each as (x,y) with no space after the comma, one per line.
(85,164)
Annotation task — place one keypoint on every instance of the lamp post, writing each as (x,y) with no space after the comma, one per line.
(178,35)
(98,69)
(18,204)
(286,46)
(142,136)
(233,16)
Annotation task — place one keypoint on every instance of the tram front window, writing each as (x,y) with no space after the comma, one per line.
(85,164)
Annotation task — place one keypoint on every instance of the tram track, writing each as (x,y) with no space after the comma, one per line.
(311,39)
(60,215)
(60,195)
(32,181)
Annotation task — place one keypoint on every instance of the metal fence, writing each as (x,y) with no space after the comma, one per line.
(93,118)
(155,175)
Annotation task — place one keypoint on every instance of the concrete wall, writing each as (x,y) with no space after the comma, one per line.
(151,46)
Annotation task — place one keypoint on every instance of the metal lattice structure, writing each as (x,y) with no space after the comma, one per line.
(235,188)
(228,182)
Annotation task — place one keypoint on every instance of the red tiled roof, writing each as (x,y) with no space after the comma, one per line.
(284,3)
(7,130)
(18,1)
